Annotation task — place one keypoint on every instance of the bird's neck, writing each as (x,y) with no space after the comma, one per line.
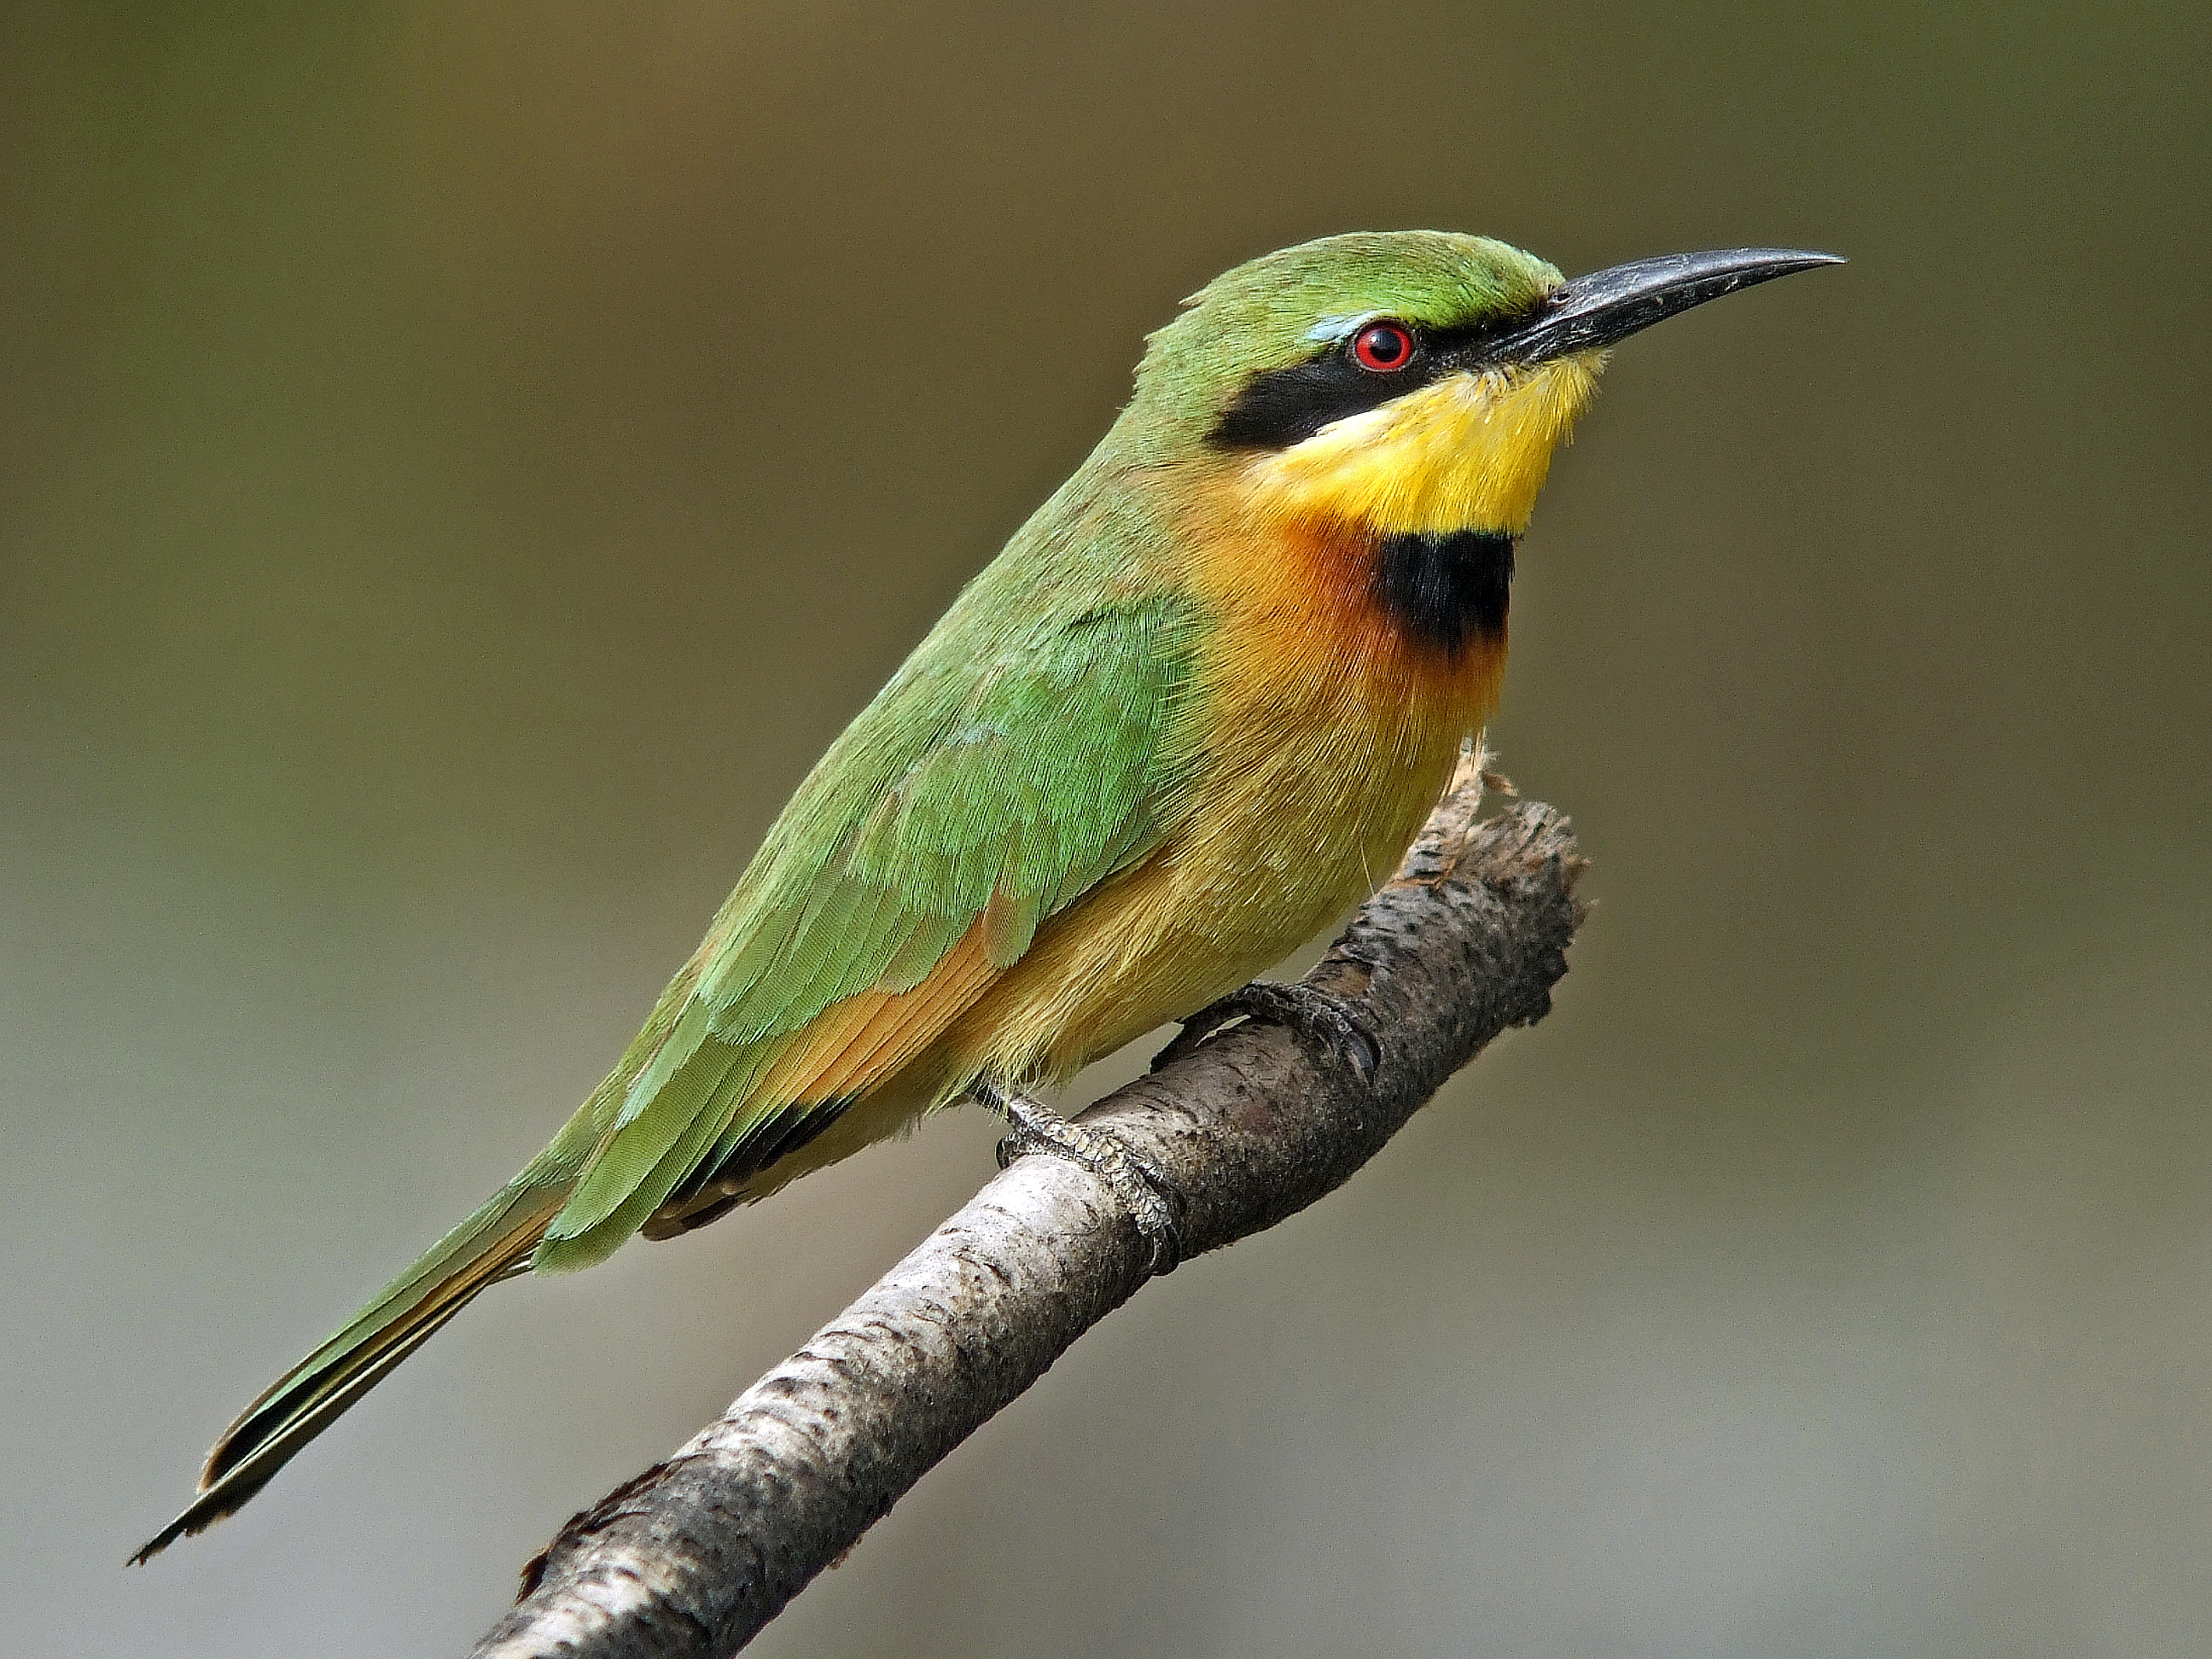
(1404,632)
(1382,546)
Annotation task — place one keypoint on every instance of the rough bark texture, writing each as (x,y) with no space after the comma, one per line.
(693,1557)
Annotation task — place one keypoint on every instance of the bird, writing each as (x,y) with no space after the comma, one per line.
(1207,693)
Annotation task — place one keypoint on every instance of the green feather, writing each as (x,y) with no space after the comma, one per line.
(584,1235)
(635,1149)
(1033,762)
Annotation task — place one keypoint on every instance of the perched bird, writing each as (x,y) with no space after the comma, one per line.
(1202,701)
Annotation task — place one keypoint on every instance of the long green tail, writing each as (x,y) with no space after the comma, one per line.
(493,1244)
(607,1171)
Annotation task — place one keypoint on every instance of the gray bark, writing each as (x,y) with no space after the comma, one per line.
(693,1556)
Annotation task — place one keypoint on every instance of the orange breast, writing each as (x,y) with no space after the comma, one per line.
(1321,736)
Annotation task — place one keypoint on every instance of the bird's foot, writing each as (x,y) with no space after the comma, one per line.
(1140,1185)
(1306,1009)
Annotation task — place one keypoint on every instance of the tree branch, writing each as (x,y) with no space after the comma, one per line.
(693,1557)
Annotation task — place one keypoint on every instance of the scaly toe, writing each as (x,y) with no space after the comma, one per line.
(1303,1008)
(1137,1184)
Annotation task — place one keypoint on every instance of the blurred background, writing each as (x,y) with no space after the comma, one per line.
(460,464)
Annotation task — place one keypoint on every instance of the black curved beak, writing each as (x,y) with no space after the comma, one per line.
(1606,306)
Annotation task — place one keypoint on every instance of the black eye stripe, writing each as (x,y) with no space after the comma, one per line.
(1285,406)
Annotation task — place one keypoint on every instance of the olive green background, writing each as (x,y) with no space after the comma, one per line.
(460,465)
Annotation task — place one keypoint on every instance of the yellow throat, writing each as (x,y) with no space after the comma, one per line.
(1469,451)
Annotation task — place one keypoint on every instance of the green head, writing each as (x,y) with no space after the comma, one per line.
(1404,381)
(1282,310)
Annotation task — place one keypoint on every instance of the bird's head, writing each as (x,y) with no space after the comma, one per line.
(1405,383)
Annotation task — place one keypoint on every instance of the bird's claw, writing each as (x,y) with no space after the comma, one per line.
(1306,1009)
(1139,1185)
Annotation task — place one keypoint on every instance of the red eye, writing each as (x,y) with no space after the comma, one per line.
(1385,348)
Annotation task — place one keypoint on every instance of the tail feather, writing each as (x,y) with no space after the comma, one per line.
(681,1100)
(639,1163)
(493,1244)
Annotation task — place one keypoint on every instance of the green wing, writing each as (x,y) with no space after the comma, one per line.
(1010,779)
(1021,756)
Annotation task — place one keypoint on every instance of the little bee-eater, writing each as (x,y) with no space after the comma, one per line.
(1205,697)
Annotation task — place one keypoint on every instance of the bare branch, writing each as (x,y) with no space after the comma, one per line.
(693,1557)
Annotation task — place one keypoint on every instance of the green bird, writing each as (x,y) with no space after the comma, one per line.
(1200,703)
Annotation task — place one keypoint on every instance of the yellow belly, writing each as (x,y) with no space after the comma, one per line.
(1267,873)
(1280,852)
(1325,737)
